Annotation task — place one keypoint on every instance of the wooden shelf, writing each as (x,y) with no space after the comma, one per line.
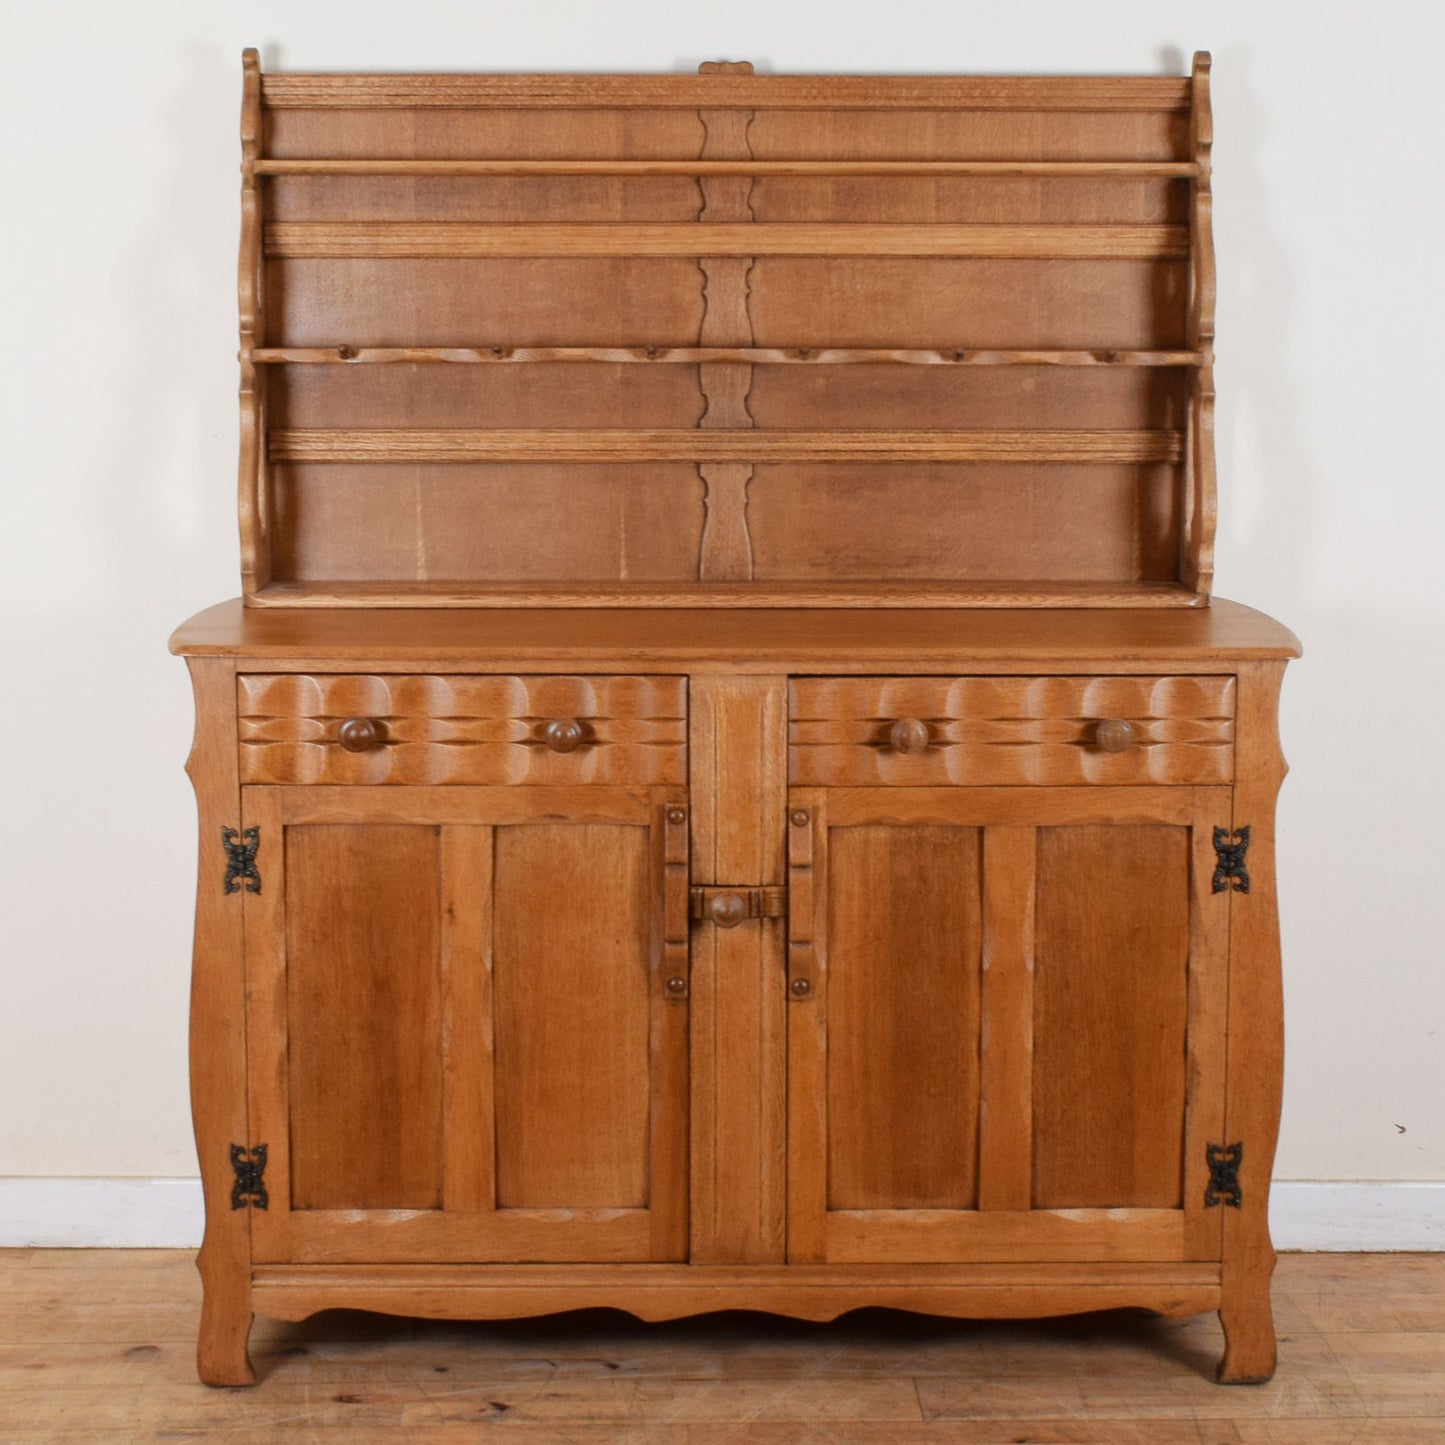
(696,355)
(747,166)
(865,593)
(460,239)
(358,445)
(1076,93)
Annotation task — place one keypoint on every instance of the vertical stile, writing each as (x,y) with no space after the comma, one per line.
(1208,1014)
(1006,1149)
(255,568)
(668,1032)
(1197,532)
(468,1113)
(807,1046)
(267,1021)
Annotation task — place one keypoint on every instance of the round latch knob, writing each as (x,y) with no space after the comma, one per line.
(359,734)
(562,735)
(727,910)
(1114,735)
(909,735)
(800,988)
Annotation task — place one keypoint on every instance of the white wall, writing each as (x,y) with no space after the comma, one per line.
(120,432)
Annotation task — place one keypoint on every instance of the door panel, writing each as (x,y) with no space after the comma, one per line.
(1111,972)
(461,1043)
(1006,1023)
(363,1009)
(571,1017)
(903,990)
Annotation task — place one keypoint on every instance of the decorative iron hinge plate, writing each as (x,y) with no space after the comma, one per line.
(1223,1186)
(1230,849)
(250,1186)
(241,859)
(727,907)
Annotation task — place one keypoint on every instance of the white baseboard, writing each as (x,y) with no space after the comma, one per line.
(101,1213)
(166,1214)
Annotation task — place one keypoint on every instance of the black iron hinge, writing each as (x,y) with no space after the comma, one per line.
(241,859)
(1230,849)
(250,1186)
(1223,1186)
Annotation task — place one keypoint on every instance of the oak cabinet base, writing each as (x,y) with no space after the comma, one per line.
(667,1292)
(754,1037)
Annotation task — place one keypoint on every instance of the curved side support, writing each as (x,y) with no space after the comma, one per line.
(1256,1034)
(218,1034)
(250,270)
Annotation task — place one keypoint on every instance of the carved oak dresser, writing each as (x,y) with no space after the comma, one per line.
(727,786)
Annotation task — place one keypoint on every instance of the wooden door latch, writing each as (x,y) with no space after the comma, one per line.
(727,907)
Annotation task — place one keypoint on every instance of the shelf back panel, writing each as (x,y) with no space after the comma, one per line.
(726,339)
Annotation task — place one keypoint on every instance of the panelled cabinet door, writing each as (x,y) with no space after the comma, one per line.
(462,1044)
(1006,1023)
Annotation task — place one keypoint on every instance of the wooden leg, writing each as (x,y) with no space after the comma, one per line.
(218,1037)
(1256,1035)
(221,1354)
(1249,1346)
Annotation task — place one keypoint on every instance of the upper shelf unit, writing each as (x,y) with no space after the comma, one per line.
(726,339)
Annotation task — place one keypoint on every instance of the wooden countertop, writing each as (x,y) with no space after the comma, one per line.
(805,638)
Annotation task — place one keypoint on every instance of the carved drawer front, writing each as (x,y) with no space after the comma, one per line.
(421,729)
(1042,731)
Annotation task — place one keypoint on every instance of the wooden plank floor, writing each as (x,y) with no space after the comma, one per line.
(97,1345)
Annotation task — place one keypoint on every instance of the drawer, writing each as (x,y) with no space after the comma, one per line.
(1000,731)
(424,729)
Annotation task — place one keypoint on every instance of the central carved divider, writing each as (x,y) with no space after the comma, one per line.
(726,551)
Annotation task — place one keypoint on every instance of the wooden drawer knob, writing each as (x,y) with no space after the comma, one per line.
(727,910)
(562,735)
(359,734)
(1114,735)
(908,735)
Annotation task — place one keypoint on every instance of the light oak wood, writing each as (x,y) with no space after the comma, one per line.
(561,446)
(806,92)
(251,494)
(344,355)
(1006,1023)
(881,642)
(730,226)
(1036,730)
(713,166)
(724,596)
(218,1034)
(462,730)
(1111,1019)
(451,238)
(363,1071)
(739,784)
(1256,1039)
(738,1059)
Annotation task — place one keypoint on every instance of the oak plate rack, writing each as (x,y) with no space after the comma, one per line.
(651,330)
